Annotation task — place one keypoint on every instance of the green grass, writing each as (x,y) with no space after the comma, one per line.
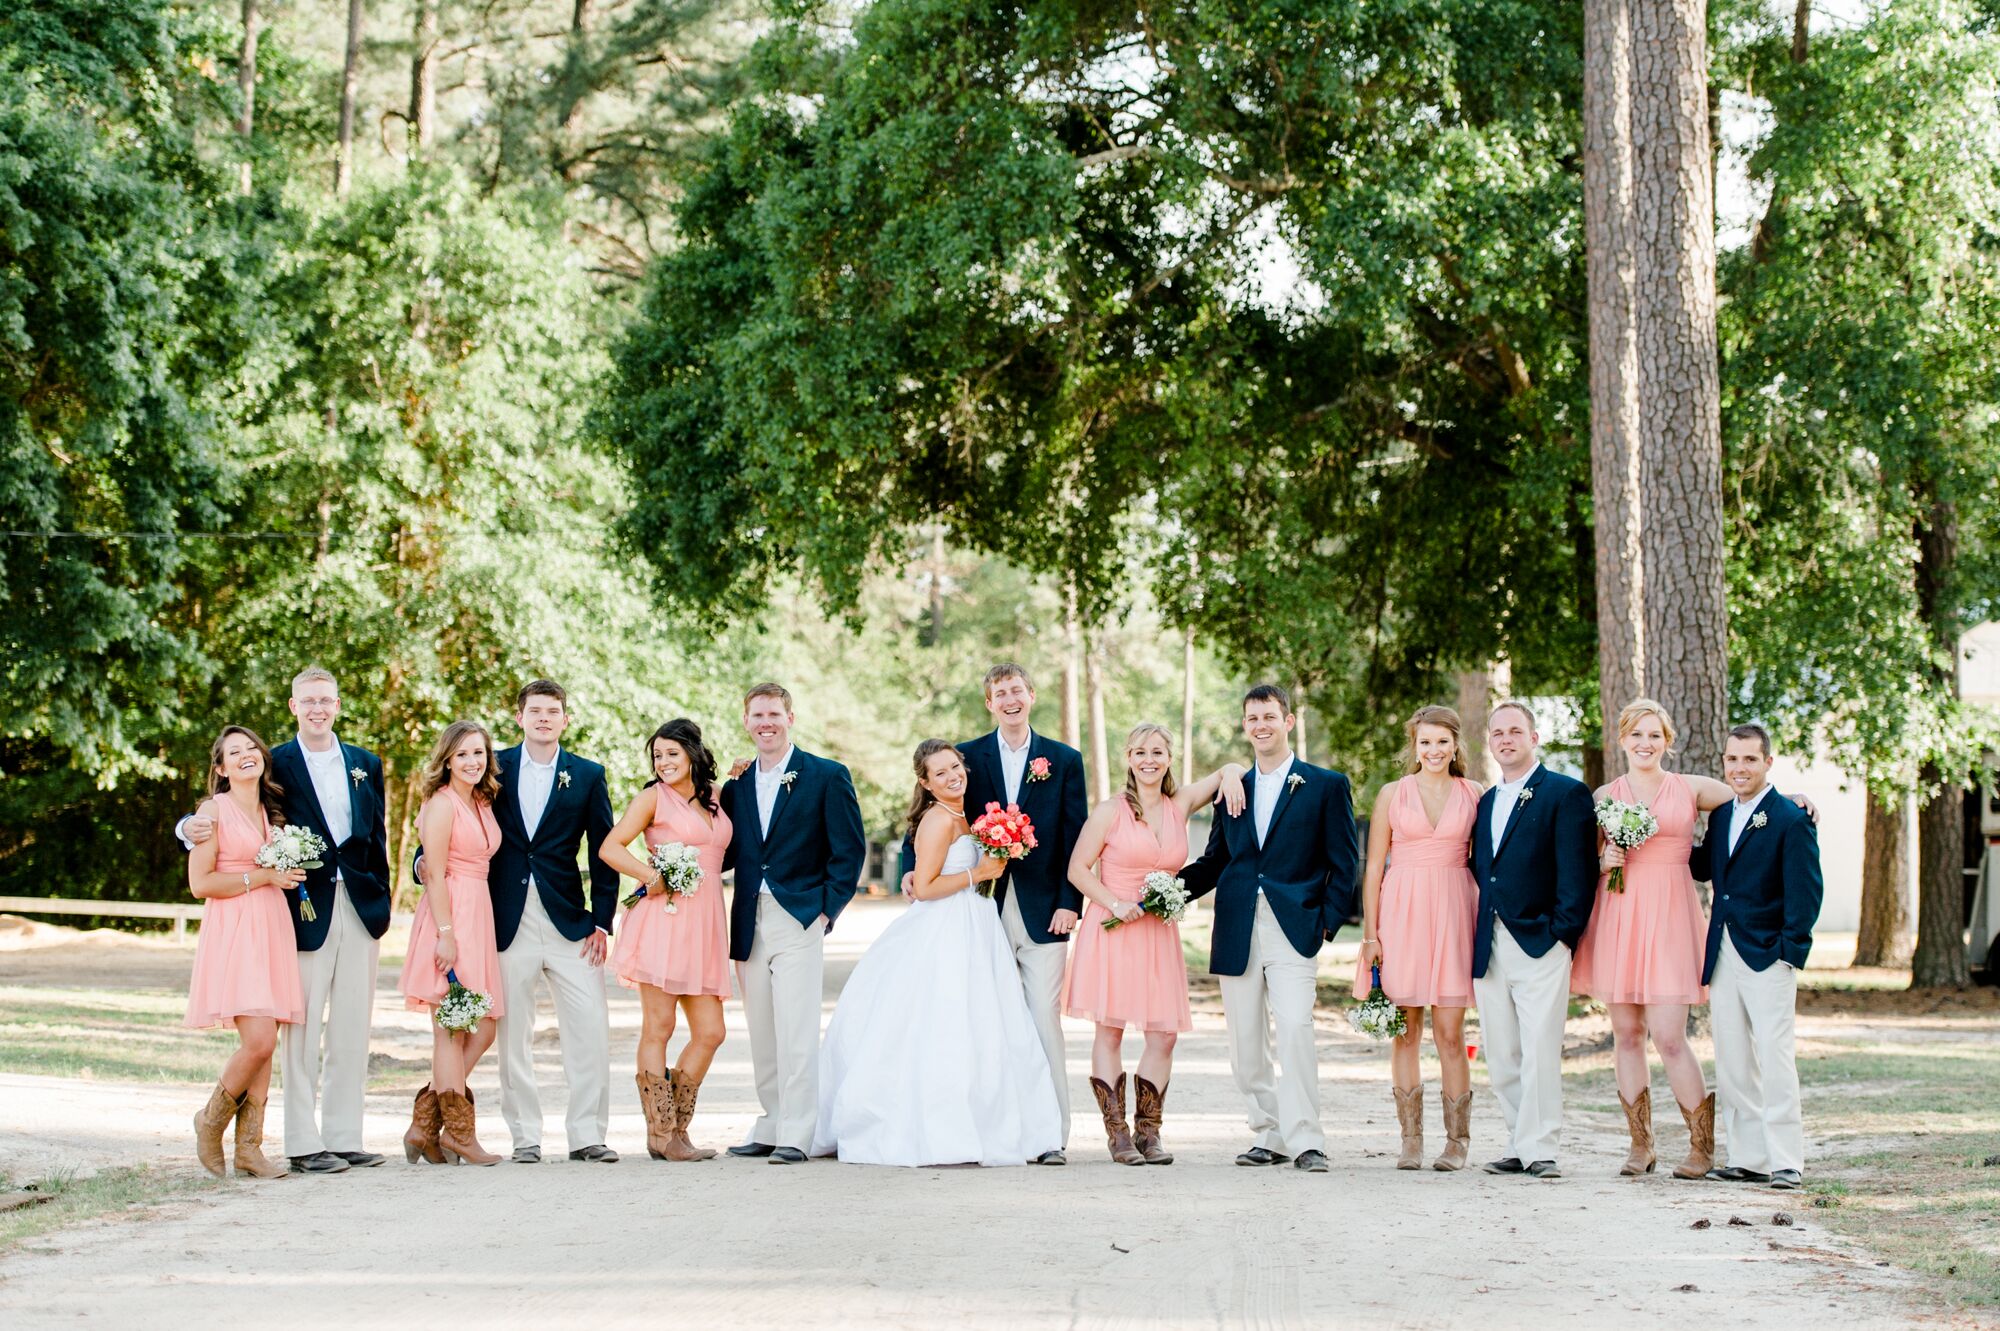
(127,1035)
(109,1192)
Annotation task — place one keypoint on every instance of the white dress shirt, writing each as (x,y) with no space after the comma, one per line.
(1264,796)
(330,782)
(1739,817)
(533,784)
(1505,796)
(769,783)
(1014,765)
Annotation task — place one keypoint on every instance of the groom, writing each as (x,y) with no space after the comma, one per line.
(798,851)
(1011,764)
(1283,876)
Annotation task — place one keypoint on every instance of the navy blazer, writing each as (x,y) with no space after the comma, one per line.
(578,814)
(1055,805)
(1767,891)
(1542,877)
(1306,866)
(813,856)
(362,860)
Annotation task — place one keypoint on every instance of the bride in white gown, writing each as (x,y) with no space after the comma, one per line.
(932,1057)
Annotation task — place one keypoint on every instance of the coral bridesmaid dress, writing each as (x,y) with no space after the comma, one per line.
(246,961)
(686,950)
(1430,900)
(475,835)
(1645,944)
(1136,974)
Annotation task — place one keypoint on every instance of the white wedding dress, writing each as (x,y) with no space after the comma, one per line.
(932,1057)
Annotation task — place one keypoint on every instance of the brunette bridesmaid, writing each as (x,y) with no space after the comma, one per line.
(1419,907)
(1135,974)
(453,935)
(675,954)
(246,961)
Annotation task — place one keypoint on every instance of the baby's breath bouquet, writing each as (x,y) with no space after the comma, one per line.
(1626,826)
(679,866)
(1376,1017)
(294,848)
(1164,897)
(463,1009)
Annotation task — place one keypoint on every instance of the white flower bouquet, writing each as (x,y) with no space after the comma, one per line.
(463,1009)
(679,867)
(294,848)
(1164,897)
(1376,1017)
(1627,826)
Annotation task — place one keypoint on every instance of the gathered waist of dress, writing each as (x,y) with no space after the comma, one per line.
(1659,849)
(1429,854)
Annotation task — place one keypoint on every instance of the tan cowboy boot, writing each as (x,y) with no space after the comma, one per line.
(1146,1122)
(686,1090)
(657,1102)
(1639,1119)
(459,1139)
(1701,1140)
(421,1141)
(250,1141)
(1410,1118)
(209,1125)
(1457,1133)
(1111,1102)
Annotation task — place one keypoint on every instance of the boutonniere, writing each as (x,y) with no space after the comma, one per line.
(358,774)
(1038,770)
(787,779)
(1758,820)
(1527,793)
(1295,781)
(562,779)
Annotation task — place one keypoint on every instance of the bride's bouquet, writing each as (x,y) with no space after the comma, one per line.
(1376,1017)
(1005,834)
(679,867)
(1164,897)
(463,1009)
(1627,826)
(294,848)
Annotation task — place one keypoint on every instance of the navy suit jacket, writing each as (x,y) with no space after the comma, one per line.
(1767,891)
(813,856)
(578,815)
(1306,866)
(362,860)
(1055,805)
(1541,880)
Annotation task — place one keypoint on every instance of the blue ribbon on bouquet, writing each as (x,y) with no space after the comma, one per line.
(451,975)
(1374,978)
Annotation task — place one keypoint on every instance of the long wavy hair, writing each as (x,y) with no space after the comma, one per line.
(269,793)
(1132,738)
(437,767)
(701,763)
(1445,719)
(922,799)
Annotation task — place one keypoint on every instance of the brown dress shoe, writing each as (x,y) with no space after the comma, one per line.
(250,1142)
(1111,1103)
(209,1126)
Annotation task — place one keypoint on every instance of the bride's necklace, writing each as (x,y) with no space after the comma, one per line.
(957,811)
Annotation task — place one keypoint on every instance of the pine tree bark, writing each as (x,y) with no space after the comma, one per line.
(246,89)
(1072,709)
(1475,710)
(350,81)
(423,78)
(1100,741)
(1939,959)
(1187,705)
(1885,884)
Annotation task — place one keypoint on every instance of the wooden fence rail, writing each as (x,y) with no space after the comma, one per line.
(179,912)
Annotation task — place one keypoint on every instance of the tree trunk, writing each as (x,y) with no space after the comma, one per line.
(1610,249)
(1187,705)
(1299,742)
(1072,712)
(423,78)
(937,586)
(1940,954)
(1801,16)
(1475,710)
(1885,884)
(246,88)
(1100,742)
(1686,646)
(350,80)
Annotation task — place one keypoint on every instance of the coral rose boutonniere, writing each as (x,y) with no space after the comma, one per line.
(1038,770)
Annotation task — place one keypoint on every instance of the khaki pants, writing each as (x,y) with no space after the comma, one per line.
(1523,1003)
(1756,1071)
(1042,966)
(781,984)
(1277,984)
(583,1020)
(324,1059)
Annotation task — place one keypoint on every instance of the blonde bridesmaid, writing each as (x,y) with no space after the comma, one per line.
(1420,905)
(1135,974)
(246,961)
(676,955)
(453,936)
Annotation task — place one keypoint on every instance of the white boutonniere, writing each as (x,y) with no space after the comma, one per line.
(1758,820)
(1295,781)
(1527,793)
(562,779)
(787,779)
(358,774)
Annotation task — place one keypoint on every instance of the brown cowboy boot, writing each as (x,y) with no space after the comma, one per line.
(421,1141)
(686,1090)
(1701,1140)
(656,1101)
(1457,1133)
(1639,1119)
(1410,1118)
(209,1125)
(250,1141)
(1111,1102)
(459,1139)
(1146,1122)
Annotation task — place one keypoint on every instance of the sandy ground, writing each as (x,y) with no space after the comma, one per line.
(733,1243)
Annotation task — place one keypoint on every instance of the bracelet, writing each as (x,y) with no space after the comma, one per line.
(444,928)
(246,880)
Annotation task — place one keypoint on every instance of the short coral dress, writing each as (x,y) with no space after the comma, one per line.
(1136,974)
(685,950)
(246,961)
(1430,900)
(1645,944)
(475,836)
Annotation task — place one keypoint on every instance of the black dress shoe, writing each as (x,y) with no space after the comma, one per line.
(320,1162)
(1312,1162)
(1505,1165)
(527,1155)
(1258,1155)
(751,1150)
(1731,1174)
(786,1155)
(1051,1158)
(1786,1180)
(595,1155)
(1545,1169)
(360,1159)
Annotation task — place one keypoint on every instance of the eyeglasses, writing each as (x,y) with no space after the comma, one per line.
(318,702)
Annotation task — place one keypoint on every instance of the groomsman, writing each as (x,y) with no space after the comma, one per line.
(553,804)
(1762,857)
(336,791)
(1038,905)
(1534,852)
(1283,876)
(798,852)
